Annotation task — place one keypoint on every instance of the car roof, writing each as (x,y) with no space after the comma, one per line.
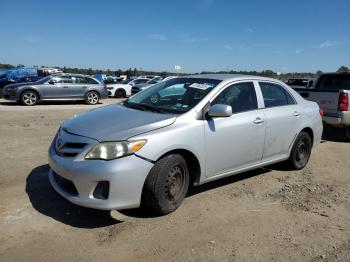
(224,77)
(69,74)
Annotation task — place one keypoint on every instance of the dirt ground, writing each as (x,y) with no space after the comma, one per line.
(266,215)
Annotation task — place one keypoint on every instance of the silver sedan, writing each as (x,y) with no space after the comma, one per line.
(184,131)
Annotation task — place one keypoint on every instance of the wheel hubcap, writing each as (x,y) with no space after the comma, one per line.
(175,182)
(92,98)
(29,98)
(302,151)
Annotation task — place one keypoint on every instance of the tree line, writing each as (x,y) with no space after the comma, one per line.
(138,72)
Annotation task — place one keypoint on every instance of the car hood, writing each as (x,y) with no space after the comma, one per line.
(19,84)
(116,123)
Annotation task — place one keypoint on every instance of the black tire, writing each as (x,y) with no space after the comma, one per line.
(166,185)
(120,93)
(29,98)
(92,98)
(301,151)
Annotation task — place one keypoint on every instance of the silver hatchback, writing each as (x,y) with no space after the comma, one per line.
(187,130)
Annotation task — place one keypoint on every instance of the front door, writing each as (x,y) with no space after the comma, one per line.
(237,141)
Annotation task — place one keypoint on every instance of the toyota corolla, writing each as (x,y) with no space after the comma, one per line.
(185,131)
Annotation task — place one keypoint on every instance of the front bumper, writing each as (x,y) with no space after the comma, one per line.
(8,94)
(126,177)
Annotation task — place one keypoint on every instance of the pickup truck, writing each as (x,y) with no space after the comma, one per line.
(331,92)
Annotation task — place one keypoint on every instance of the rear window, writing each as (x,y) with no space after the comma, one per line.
(298,82)
(334,82)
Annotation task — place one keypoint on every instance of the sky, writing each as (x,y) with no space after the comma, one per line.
(283,35)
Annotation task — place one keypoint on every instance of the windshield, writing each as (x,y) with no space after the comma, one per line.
(43,80)
(177,95)
(151,82)
(126,81)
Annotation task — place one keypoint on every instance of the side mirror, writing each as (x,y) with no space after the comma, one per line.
(52,82)
(220,110)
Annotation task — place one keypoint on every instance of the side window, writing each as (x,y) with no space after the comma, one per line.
(92,81)
(334,82)
(79,80)
(66,79)
(241,97)
(275,95)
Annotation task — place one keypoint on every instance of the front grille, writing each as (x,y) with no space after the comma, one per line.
(66,185)
(68,149)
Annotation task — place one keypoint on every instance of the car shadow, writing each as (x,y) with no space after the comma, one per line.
(46,201)
(45,103)
(194,190)
(334,134)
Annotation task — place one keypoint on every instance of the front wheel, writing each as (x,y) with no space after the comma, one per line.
(120,93)
(92,98)
(166,185)
(29,98)
(301,151)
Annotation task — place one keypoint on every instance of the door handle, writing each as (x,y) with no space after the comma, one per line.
(258,121)
(65,86)
(296,113)
(84,87)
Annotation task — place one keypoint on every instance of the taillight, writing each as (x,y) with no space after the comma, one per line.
(343,104)
(321,112)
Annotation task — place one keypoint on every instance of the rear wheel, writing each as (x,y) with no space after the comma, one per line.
(301,151)
(92,98)
(29,98)
(166,185)
(120,93)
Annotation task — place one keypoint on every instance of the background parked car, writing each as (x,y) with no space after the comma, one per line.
(22,74)
(300,82)
(331,91)
(58,86)
(124,88)
(139,87)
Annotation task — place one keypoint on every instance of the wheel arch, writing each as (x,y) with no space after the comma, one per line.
(310,132)
(29,89)
(192,162)
(120,88)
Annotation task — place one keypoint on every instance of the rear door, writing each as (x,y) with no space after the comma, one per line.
(283,120)
(77,88)
(235,142)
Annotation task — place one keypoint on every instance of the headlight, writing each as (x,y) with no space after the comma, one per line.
(113,150)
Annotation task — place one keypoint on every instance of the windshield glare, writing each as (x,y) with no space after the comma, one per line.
(177,95)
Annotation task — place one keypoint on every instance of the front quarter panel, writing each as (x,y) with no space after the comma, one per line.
(186,133)
(21,89)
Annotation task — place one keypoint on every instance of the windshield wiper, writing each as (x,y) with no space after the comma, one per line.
(143,107)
